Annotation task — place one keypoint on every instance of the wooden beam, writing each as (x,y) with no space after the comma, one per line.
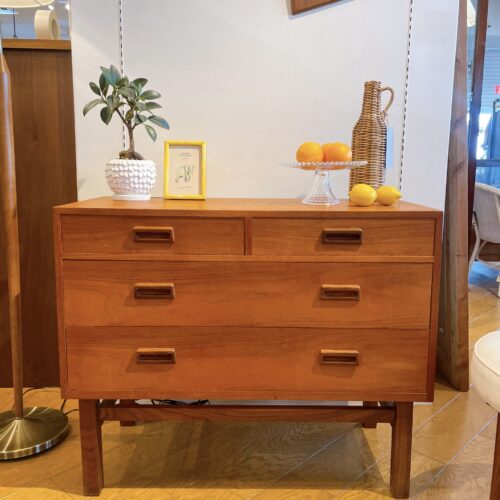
(14,43)
(245,413)
(453,336)
(299,6)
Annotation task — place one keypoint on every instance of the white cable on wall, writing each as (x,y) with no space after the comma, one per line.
(122,63)
(405,100)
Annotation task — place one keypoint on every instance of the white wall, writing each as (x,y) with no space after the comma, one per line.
(255,82)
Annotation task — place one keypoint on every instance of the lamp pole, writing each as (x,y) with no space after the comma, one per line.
(23,432)
(9,213)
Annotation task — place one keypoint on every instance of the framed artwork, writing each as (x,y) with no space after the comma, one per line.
(299,6)
(185,170)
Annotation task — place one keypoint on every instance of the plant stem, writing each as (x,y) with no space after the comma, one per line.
(131,144)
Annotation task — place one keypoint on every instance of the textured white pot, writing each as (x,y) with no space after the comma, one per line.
(131,179)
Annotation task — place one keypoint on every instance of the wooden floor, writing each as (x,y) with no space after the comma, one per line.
(452,449)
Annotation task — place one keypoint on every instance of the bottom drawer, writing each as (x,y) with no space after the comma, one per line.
(246,363)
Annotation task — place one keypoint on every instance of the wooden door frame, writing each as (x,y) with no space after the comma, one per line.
(475,103)
(453,333)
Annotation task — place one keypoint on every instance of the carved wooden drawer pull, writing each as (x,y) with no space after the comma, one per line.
(154,291)
(333,357)
(155,355)
(340,292)
(153,234)
(349,236)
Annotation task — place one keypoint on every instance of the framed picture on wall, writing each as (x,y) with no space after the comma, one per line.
(185,170)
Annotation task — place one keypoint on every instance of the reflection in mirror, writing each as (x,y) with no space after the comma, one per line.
(49,22)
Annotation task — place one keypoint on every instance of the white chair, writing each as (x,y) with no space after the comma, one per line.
(485,375)
(485,220)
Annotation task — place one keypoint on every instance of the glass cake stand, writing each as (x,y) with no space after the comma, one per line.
(321,192)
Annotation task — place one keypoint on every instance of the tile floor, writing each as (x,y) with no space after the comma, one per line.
(452,449)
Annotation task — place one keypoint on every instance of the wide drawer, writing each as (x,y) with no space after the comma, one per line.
(152,235)
(248,363)
(343,236)
(341,295)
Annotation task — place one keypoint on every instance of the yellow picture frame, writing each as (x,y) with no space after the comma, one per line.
(186,176)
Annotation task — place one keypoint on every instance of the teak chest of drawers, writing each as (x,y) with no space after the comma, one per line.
(247,300)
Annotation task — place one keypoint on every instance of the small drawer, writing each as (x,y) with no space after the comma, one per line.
(343,236)
(344,295)
(250,363)
(152,235)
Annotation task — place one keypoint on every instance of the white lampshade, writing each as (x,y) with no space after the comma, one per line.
(24,4)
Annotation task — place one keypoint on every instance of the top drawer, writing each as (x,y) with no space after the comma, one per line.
(343,236)
(152,235)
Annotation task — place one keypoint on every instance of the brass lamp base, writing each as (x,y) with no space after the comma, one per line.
(39,430)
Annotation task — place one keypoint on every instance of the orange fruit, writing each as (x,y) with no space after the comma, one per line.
(337,152)
(309,151)
(324,148)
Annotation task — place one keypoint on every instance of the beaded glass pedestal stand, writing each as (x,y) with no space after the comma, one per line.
(321,192)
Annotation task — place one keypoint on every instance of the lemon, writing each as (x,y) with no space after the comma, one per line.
(388,195)
(363,195)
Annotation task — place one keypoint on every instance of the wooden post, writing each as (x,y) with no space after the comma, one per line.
(401,450)
(453,333)
(9,213)
(91,441)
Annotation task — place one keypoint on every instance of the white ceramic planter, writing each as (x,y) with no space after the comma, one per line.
(131,179)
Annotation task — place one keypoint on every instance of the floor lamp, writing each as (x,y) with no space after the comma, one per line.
(23,431)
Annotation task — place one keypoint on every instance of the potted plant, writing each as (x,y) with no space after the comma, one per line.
(130,176)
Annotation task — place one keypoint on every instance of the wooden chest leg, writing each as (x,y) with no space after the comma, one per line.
(126,423)
(401,450)
(374,424)
(495,480)
(91,442)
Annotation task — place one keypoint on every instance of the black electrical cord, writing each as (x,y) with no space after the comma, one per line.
(174,402)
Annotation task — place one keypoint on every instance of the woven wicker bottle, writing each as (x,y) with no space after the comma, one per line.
(369,137)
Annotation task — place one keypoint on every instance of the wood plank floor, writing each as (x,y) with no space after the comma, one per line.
(452,449)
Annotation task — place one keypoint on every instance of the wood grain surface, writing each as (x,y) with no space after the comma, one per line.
(42,99)
(261,315)
(262,363)
(250,413)
(241,207)
(115,235)
(453,339)
(378,237)
(299,6)
(101,293)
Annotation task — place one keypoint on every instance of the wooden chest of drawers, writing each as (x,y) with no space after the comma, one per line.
(247,300)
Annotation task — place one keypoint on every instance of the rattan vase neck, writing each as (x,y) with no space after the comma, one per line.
(369,138)
(371,100)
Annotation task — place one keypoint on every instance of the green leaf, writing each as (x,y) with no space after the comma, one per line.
(149,95)
(152,105)
(116,74)
(90,105)
(129,115)
(140,119)
(113,101)
(151,132)
(95,88)
(103,84)
(106,73)
(140,81)
(159,121)
(127,92)
(106,114)
(122,82)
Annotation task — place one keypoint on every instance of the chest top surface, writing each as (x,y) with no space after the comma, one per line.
(232,207)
